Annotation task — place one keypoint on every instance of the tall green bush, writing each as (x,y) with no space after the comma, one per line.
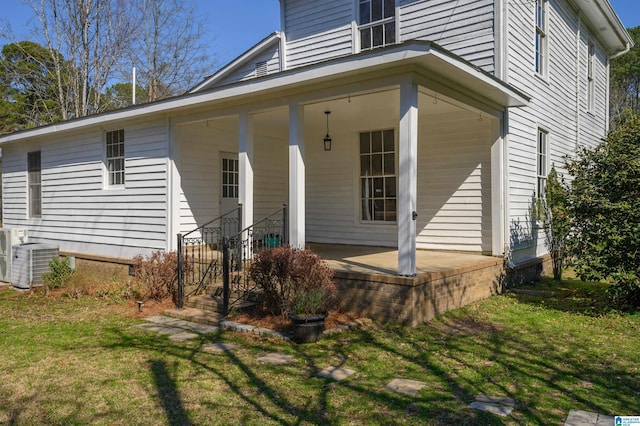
(604,206)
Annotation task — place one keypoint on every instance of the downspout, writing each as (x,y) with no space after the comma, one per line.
(504,69)
(283,37)
(578,38)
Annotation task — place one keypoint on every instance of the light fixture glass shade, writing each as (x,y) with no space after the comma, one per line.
(327,143)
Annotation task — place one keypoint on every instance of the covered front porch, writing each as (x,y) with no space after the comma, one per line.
(416,158)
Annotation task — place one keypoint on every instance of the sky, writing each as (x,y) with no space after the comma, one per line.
(237,25)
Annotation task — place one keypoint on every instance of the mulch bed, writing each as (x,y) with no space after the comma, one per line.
(261,318)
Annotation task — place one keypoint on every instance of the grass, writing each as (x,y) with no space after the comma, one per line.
(80,360)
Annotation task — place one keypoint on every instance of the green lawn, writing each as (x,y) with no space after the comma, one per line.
(80,361)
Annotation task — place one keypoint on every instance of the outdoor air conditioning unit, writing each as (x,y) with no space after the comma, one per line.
(9,237)
(30,262)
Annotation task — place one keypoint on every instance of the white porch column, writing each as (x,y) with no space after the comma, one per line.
(407,178)
(497,187)
(245,168)
(296,177)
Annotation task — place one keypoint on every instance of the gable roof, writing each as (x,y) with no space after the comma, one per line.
(254,51)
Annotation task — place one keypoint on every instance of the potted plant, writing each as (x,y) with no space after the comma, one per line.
(297,284)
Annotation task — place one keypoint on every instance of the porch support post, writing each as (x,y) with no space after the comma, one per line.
(296,177)
(499,136)
(407,178)
(245,168)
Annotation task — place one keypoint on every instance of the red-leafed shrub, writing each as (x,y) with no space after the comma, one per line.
(293,281)
(158,275)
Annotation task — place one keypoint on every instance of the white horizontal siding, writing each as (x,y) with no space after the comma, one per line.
(465,27)
(454,183)
(78,212)
(317,31)
(200,148)
(558,105)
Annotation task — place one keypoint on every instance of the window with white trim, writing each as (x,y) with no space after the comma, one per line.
(376,23)
(115,157)
(590,78)
(230,178)
(34,177)
(541,37)
(378,176)
(542,165)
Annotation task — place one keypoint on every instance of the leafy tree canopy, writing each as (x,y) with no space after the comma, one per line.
(624,96)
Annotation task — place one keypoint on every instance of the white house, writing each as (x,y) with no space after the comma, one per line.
(445,117)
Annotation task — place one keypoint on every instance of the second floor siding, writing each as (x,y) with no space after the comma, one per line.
(317,31)
(464,27)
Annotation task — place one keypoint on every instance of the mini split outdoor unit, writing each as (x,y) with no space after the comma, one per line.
(9,237)
(30,262)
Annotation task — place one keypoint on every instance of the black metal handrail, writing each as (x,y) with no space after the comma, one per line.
(238,250)
(199,256)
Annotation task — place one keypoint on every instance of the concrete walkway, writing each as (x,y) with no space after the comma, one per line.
(180,330)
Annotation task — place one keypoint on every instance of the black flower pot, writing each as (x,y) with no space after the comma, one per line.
(307,329)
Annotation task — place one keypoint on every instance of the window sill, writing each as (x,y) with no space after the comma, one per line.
(542,78)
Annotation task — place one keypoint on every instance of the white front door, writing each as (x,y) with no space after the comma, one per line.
(228,182)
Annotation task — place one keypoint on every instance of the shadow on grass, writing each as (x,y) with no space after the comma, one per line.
(168,394)
(458,355)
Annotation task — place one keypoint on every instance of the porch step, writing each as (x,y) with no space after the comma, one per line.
(195,315)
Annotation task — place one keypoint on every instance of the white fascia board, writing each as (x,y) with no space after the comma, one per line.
(607,25)
(238,62)
(430,57)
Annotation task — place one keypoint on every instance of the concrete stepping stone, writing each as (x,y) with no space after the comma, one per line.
(336,373)
(187,325)
(587,418)
(219,347)
(276,358)
(182,336)
(160,328)
(405,386)
(499,405)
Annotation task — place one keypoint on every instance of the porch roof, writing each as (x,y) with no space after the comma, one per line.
(426,58)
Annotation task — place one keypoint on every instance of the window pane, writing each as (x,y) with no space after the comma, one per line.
(365,165)
(376,141)
(389,165)
(390,187)
(378,187)
(378,209)
(389,33)
(390,209)
(378,36)
(376,10)
(367,209)
(367,188)
(365,38)
(376,164)
(364,143)
(365,12)
(388,140)
(389,8)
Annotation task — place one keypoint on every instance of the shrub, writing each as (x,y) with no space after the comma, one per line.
(604,207)
(158,275)
(293,281)
(60,273)
(552,213)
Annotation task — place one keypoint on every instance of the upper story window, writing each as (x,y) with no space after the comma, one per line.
(35,184)
(115,157)
(542,164)
(377,23)
(591,90)
(541,36)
